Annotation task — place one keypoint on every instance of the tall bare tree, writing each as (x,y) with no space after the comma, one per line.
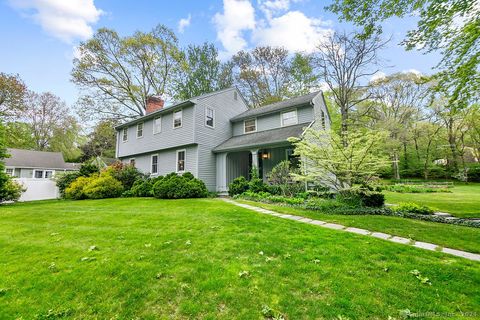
(116,74)
(263,75)
(345,62)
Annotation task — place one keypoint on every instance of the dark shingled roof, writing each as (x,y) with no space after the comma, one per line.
(262,138)
(275,107)
(20,158)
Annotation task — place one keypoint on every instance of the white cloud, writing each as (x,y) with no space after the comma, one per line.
(272,7)
(294,31)
(183,23)
(63,19)
(237,17)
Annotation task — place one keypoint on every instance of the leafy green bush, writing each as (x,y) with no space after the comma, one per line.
(142,188)
(11,191)
(281,178)
(188,176)
(474,173)
(361,196)
(87,169)
(414,208)
(125,173)
(324,205)
(104,186)
(238,186)
(173,186)
(65,179)
(75,190)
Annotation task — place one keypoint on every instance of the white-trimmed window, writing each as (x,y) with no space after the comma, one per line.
(154,164)
(209,117)
(48,174)
(250,125)
(125,134)
(9,171)
(177,119)
(38,174)
(132,162)
(140,130)
(157,125)
(181,159)
(289,118)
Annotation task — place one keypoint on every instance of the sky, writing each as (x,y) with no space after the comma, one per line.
(38,37)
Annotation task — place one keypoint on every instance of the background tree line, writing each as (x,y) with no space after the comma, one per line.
(429,120)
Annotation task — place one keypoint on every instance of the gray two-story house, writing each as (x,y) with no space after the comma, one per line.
(216,136)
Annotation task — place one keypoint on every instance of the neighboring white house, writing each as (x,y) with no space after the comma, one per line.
(35,170)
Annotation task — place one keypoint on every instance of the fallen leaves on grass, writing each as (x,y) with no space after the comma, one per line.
(422,279)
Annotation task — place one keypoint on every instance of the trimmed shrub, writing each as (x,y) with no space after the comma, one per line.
(173,186)
(408,208)
(188,176)
(76,189)
(104,186)
(11,191)
(238,186)
(64,180)
(142,188)
(363,196)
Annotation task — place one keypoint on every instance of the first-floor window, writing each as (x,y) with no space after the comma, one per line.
(181,161)
(38,174)
(48,174)
(132,162)
(9,172)
(155,164)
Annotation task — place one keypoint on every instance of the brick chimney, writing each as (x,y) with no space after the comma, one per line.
(154,103)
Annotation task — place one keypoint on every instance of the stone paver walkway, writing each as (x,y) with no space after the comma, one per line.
(379,235)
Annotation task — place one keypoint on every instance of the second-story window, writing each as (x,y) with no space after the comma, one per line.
(289,118)
(209,117)
(140,130)
(125,134)
(177,119)
(250,125)
(157,125)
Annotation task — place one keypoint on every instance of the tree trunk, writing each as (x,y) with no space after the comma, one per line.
(396,170)
(453,145)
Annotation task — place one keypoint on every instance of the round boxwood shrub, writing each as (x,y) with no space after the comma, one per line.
(104,186)
(173,186)
(238,186)
(142,188)
(363,196)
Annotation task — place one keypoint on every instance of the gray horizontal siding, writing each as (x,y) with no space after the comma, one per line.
(167,161)
(272,121)
(225,107)
(167,138)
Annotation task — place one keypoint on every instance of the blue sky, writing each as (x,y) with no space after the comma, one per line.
(38,37)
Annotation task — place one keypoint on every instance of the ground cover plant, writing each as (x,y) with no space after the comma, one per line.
(206,259)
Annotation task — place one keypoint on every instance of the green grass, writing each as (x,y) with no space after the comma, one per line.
(463,201)
(446,235)
(181,259)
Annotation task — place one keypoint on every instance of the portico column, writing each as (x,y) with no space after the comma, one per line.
(222,172)
(255,159)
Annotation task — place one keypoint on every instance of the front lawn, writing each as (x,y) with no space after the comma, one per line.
(463,201)
(447,235)
(197,259)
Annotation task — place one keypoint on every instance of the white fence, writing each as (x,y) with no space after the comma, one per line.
(38,189)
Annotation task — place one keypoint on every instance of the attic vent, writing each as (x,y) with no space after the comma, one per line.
(235,95)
